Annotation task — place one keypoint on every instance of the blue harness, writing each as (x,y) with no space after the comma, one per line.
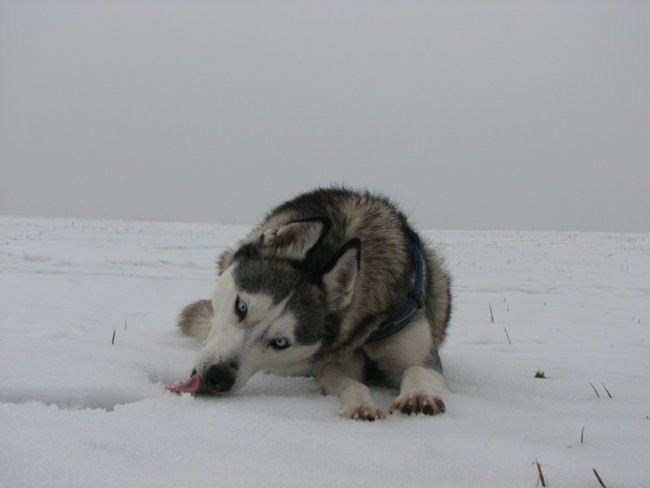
(401,317)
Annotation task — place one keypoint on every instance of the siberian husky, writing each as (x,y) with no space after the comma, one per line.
(336,281)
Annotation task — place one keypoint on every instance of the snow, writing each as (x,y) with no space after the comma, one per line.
(78,410)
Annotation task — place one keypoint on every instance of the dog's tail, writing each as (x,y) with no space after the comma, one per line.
(195,320)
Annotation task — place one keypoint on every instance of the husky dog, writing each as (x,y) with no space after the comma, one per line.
(336,281)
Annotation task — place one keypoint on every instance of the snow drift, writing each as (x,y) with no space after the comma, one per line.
(88,343)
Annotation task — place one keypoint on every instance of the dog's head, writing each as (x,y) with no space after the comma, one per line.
(273,309)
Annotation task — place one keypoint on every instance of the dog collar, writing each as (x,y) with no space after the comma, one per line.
(401,317)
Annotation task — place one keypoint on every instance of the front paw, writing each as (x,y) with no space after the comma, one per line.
(418,402)
(363,411)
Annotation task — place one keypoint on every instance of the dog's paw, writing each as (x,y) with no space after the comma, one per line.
(363,411)
(418,402)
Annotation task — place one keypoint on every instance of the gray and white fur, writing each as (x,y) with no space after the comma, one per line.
(308,286)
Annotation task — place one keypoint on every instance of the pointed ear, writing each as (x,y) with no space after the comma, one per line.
(293,240)
(339,281)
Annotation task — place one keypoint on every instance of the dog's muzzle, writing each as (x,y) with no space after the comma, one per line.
(218,378)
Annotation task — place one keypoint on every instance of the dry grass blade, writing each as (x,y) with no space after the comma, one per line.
(598,478)
(595,391)
(608,393)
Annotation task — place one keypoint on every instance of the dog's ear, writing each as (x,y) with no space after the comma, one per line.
(295,239)
(340,279)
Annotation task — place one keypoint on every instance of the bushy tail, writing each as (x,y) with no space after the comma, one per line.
(196,319)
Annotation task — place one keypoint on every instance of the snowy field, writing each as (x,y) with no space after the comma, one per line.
(80,411)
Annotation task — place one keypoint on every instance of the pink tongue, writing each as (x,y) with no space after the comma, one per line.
(193,385)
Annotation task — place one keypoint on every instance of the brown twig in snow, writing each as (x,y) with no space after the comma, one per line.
(539,471)
(507,336)
(113,340)
(491,315)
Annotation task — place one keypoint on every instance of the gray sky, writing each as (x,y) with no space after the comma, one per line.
(471,114)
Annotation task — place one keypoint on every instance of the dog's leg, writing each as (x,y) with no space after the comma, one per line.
(355,396)
(420,392)
(196,319)
(410,359)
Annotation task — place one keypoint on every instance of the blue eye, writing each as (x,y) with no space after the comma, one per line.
(241,308)
(280,343)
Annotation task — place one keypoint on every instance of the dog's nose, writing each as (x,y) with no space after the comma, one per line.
(219,378)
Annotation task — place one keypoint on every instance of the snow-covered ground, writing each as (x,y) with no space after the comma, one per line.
(80,411)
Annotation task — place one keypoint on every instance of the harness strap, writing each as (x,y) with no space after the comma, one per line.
(401,317)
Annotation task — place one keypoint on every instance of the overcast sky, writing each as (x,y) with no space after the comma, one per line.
(471,114)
